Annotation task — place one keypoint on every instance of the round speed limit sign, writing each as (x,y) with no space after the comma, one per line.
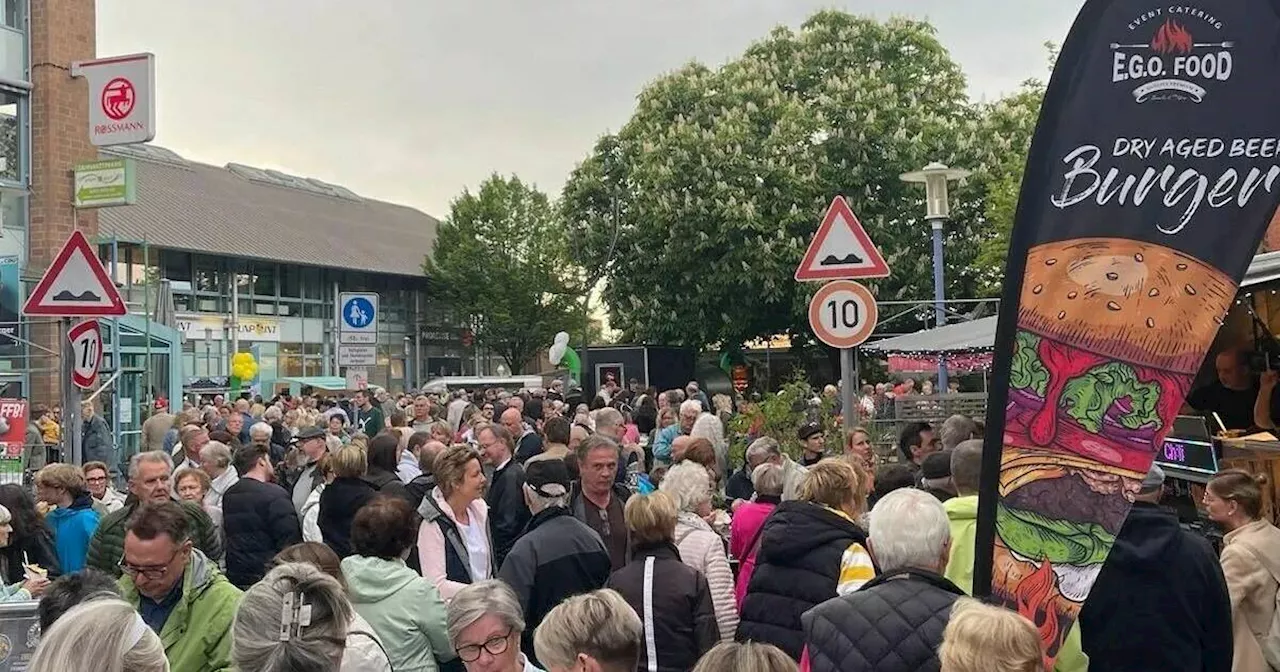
(843,314)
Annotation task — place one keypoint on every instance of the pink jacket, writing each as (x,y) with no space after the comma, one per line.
(747,521)
(431,542)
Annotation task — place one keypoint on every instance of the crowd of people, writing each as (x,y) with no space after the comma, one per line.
(507,532)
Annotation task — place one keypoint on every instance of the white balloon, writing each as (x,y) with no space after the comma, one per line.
(556,353)
(562,338)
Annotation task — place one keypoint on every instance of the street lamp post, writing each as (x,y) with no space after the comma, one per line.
(935,177)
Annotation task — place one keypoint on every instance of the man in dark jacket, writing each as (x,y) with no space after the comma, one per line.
(258,517)
(558,556)
(895,622)
(149,475)
(1160,601)
(507,512)
(97,444)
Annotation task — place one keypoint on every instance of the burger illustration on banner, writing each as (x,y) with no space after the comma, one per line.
(1110,335)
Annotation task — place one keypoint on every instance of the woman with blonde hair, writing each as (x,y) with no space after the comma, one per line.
(811,550)
(745,657)
(105,635)
(689,486)
(1251,564)
(983,638)
(454,547)
(677,607)
(342,497)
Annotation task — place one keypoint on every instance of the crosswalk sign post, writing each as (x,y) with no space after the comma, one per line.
(356,323)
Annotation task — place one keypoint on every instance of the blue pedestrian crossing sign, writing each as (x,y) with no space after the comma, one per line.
(357,314)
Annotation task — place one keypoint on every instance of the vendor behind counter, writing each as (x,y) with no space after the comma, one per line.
(1240,397)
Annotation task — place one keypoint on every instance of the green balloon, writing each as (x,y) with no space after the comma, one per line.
(572,363)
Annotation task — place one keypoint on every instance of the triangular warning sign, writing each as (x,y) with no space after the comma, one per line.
(75,285)
(841,249)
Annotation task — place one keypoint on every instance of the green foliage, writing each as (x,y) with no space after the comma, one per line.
(714,187)
(780,416)
(501,258)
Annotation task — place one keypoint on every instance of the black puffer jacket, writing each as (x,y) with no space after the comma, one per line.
(259,521)
(1160,601)
(683,617)
(892,624)
(338,505)
(797,568)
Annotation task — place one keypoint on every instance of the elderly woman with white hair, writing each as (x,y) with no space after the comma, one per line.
(485,627)
(297,618)
(215,461)
(105,635)
(709,427)
(689,485)
(899,616)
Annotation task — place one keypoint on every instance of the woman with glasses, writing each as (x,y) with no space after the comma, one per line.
(485,625)
(106,498)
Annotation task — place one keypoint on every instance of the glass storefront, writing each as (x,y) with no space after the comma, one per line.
(286,314)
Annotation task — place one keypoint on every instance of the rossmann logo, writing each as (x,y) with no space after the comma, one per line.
(1181,55)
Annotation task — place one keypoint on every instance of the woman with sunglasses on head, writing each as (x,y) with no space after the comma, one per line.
(485,625)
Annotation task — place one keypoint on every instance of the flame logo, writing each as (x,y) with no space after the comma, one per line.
(1172,38)
(1034,599)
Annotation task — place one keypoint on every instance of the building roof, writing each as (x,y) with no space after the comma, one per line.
(243,211)
(972,335)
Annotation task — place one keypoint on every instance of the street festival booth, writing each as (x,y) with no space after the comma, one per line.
(1151,179)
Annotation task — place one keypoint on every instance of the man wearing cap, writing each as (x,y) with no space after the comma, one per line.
(157,426)
(813,443)
(1160,601)
(311,445)
(558,556)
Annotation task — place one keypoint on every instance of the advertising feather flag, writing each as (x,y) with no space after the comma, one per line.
(1153,173)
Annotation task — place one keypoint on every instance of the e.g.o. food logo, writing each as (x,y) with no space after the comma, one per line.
(1175,53)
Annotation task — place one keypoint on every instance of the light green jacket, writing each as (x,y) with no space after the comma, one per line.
(404,609)
(197,636)
(963,514)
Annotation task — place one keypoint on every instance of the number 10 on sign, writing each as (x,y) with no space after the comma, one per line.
(86,353)
(843,314)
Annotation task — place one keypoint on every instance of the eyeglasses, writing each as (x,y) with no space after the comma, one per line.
(152,572)
(96,479)
(496,646)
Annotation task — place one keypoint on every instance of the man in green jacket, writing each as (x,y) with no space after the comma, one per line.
(177,590)
(962,511)
(149,477)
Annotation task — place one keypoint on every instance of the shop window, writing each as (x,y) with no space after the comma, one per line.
(315,310)
(11,111)
(313,349)
(260,308)
(314,366)
(208,274)
(264,280)
(313,284)
(176,267)
(290,281)
(289,309)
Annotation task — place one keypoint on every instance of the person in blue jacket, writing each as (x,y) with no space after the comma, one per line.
(72,517)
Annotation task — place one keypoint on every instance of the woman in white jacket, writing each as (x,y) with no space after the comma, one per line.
(311,509)
(700,547)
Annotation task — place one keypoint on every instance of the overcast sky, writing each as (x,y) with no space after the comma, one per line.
(413,100)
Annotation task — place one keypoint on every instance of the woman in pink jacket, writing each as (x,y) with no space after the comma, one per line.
(454,546)
(748,521)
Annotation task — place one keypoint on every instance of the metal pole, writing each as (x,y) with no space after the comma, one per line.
(848,378)
(235,314)
(70,397)
(939,298)
(115,340)
(337,337)
(146,307)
